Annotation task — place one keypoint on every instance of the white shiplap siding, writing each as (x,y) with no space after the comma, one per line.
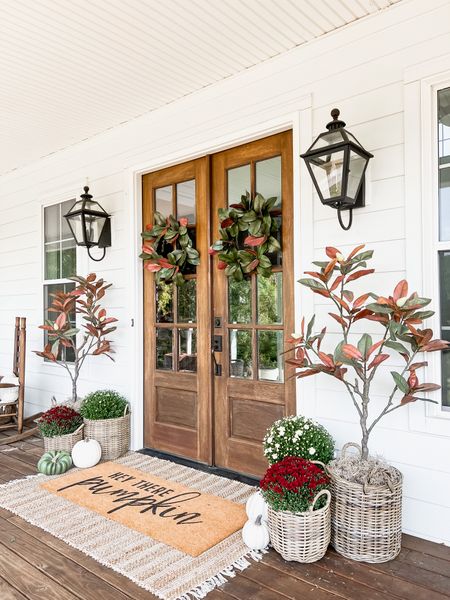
(360,69)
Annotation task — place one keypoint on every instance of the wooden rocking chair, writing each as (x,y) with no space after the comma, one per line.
(12,413)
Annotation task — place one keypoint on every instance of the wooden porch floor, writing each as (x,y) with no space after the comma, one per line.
(35,565)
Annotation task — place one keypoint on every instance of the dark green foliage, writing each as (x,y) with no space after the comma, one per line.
(103,404)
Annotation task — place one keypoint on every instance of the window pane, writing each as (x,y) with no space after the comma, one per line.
(53,261)
(270,362)
(52,229)
(187,302)
(187,344)
(186,200)
(268,178)
(68,259)
(164,303)
(164,350)
(163,200)
(239,183)
(65,229)
(239,301)
(444,163)
(240,353)
(270,299)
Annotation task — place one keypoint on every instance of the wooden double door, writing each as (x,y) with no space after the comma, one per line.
(214,374)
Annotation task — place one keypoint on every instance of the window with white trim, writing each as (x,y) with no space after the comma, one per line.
(60,259)
(443,138)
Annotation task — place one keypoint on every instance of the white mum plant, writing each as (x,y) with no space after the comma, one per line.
(298,436)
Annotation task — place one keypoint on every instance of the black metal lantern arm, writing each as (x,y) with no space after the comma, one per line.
(96,259)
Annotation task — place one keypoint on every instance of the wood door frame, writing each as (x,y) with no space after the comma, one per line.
(298,117)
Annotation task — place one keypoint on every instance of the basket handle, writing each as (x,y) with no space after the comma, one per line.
(127,407)
(321,493)
(79,428)
(348,445)
(320,463)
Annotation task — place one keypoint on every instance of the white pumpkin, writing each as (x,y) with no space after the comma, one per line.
(256,506)
(86,453)
(255,534)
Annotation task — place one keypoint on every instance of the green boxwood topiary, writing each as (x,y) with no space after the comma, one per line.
(298,436)
(103,404)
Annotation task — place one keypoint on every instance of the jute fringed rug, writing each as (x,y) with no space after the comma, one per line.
(141,540)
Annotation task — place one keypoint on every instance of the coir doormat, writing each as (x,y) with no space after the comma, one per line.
(140,538)
(167,511)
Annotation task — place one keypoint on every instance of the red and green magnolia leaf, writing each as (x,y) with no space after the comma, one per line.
(316,275)
(358,274)
(331,252)
(408,398)
(351,351)
(325,293)
(360,300)
(348,295)
(307,373)
(417,365)
(374,347)
(400,348)
(427,387)
(401,290)
(413,380)
(338,319)
(91,277)
(355,251)
(336,283)
(378,360)
(330,266)
(341,302)
(400,382)
(363,314)
(312,283)
(327,360)
(435,345)
(364,345)
(60,321)
(250,240)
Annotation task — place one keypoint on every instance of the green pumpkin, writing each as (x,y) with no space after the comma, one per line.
(54,462)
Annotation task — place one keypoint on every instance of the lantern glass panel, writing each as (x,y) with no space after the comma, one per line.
(76,224)
(328,171)
(94,228)
(357,165)
(328,139)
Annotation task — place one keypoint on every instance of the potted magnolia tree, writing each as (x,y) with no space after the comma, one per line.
(366,508)
(90,339)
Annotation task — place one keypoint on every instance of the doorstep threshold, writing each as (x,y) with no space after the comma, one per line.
(211,470)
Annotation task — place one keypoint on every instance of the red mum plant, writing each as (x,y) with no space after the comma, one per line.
(59,420)
(293,483)
(400,316)
(84,300)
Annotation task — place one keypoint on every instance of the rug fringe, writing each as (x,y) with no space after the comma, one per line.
(202,590)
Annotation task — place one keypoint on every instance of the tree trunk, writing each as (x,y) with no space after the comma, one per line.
(365,445)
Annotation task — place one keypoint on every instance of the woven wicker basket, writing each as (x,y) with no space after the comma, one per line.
(113,435)
(366,520)
(63,442)
(303,537)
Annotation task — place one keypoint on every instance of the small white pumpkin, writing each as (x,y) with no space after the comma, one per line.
(255,534)
(255,506)
(86,453)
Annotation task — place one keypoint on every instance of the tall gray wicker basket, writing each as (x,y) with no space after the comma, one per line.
(366,520)
(303,537)
(113,435)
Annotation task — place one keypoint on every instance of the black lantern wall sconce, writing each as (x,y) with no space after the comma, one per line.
(90,224)
(337,164)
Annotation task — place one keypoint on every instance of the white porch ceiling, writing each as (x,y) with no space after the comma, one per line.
(71,69)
